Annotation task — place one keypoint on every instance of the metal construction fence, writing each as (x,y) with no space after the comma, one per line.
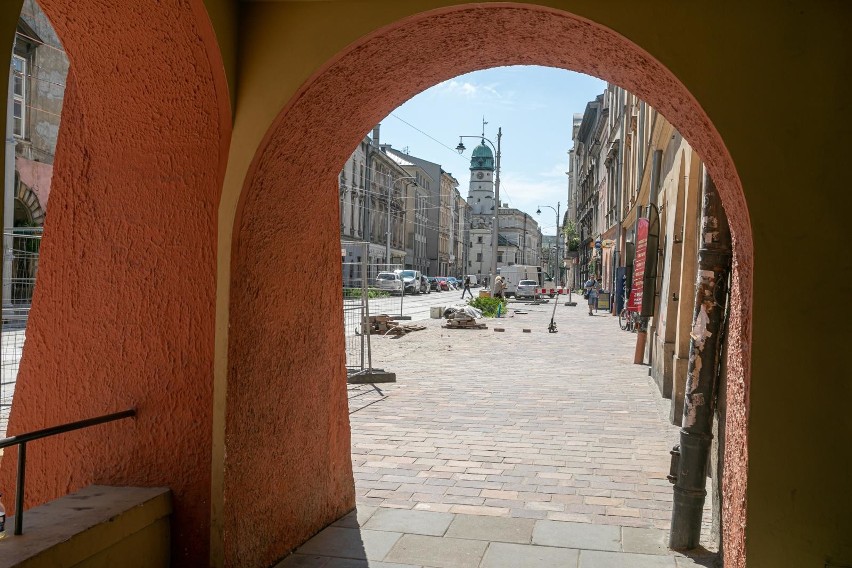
(21,247)
(361,298)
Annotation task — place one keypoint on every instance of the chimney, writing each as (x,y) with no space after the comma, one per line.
(376,135)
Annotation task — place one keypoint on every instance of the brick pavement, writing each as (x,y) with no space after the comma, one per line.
(533,425)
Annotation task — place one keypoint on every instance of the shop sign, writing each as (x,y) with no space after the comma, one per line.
(634,303)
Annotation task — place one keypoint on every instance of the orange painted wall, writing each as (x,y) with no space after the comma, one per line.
(287,231)
(123,309)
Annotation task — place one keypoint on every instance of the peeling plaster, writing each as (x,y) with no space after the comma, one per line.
(699,328)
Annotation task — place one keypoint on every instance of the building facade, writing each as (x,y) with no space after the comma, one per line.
(37,88)
(430,176)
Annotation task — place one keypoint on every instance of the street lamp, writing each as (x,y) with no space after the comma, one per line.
(388,244)
(495,229)
(556,268)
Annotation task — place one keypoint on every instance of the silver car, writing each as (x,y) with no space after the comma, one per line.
(526,289)
(389,282)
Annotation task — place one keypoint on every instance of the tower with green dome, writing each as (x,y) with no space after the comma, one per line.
(480,195)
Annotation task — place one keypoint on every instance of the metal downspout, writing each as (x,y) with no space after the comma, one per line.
(690,472)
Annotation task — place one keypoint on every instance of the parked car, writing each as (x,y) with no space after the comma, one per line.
(442,282)
(389,282)
(433,284)
(411,279)
(526,289)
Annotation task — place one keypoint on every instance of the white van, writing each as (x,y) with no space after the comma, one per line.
(412,281)
(513,275)
(472,279)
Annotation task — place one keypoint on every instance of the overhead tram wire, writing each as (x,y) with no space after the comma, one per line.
(426,134)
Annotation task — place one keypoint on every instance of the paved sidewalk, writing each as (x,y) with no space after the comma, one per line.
(394,538)
(556,432)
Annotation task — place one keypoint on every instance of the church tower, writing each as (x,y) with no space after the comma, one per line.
(480,194)
(480,198)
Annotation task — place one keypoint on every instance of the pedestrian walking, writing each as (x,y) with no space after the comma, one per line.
(499,287)
(591,293)
(466,287)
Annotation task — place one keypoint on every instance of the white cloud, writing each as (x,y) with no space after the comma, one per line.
(473,91)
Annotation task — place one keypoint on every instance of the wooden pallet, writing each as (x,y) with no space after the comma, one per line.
(464,324)
(384,324)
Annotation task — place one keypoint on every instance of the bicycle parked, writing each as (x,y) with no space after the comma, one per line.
(628,320)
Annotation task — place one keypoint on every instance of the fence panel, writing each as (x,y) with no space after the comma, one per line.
(21,247)
(360,286)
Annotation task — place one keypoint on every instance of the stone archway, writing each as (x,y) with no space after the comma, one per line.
(281,230)
(123,312)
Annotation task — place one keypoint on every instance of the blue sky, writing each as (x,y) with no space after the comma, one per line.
(534,105)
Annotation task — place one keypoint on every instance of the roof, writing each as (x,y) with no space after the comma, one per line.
(482,158)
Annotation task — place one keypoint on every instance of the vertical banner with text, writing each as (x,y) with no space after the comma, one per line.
(634,304)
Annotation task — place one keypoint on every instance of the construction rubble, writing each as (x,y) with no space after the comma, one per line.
(384,324)
(463,316)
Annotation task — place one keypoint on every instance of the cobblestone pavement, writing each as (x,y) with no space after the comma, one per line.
(551,426)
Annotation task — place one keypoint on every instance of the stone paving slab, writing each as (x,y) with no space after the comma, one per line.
(536,425)
(577,535)
(411,522)
(487,542)
(438,552)
(351,543)
(499,529)
(502,555)
(601,559)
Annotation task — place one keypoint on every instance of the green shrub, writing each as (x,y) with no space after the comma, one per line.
(488,306)
(356,293)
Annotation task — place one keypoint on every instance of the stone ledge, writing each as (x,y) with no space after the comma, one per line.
(79,527)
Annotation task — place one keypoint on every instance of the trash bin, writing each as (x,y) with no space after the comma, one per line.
(436,312)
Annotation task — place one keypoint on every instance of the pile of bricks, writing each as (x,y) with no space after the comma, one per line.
(384,324)
(461,320)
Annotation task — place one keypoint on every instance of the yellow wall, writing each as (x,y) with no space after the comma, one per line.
(773,78)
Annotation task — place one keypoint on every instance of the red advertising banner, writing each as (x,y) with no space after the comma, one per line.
(634,303)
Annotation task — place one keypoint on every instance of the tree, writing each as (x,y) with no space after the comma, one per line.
(572,235)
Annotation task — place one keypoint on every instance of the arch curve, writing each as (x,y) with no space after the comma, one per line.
(281,230)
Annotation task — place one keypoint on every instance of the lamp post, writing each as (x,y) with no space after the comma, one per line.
(556,260)
(495,230)
(388,243)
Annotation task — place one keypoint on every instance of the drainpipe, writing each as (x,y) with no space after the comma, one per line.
(689,460)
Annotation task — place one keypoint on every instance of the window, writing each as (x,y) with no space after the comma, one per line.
(19,95)
(479,257)
(478,239)
(500,257)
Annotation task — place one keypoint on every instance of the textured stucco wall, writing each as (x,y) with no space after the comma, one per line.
(123,310)
(281,367)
